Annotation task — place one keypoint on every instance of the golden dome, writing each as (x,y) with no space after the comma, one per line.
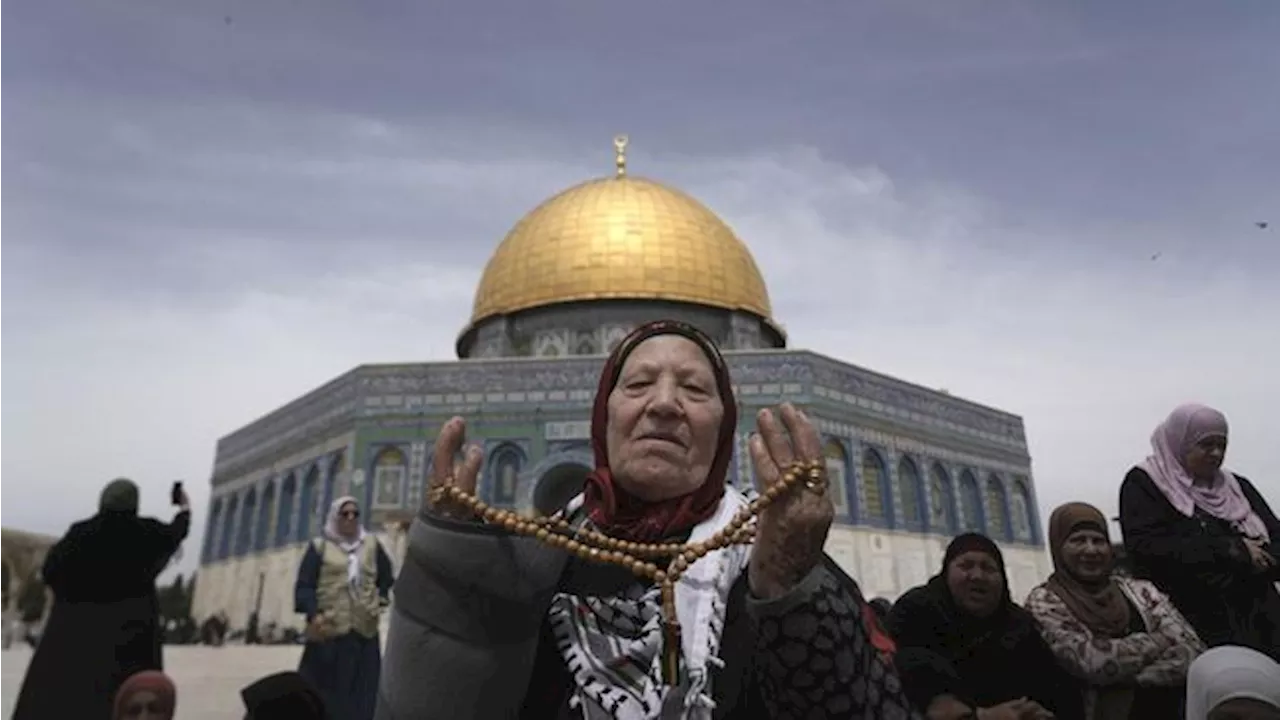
(620,238)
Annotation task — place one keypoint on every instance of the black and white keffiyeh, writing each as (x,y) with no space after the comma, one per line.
(612,646)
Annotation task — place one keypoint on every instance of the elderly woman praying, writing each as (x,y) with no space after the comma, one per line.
(659,592)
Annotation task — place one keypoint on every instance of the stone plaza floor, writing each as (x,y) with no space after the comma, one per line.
(209,679)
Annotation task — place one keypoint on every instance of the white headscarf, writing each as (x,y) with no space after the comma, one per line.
(349,545)
(1230,673)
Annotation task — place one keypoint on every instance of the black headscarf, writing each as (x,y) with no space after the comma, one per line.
(965,632)
(945,650)
(120,496)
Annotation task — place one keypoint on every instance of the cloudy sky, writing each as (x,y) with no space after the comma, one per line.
(212,207)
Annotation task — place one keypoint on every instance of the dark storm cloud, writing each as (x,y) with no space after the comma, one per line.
(199,148)
(230,197)
(1056,108)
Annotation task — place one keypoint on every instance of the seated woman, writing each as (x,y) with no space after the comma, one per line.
(502,616)
(1122,637)
(965,650)
(1204,535)
(1233,683)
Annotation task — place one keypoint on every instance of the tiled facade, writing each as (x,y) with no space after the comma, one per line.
(905,459)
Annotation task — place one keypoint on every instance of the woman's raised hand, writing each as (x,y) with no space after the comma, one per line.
(1258,555)
(453,466)
(792,530)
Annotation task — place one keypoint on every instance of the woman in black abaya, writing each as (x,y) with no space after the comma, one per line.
(104,626)
(966,650)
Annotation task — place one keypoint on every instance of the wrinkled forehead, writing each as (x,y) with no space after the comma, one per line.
(674,353)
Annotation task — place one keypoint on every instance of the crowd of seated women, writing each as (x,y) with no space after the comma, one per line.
(1090,643)
(1194,633)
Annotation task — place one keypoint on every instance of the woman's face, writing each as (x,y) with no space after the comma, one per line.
(1086,553)
(145,705)
(1205,457)
(348,519)
(664,419)
(1244,709)
(976,583)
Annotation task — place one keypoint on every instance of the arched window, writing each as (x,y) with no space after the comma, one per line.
(997,510)
(505,476)
(285,508)
(837,477)
(307,510)
(586,345)
(909,492)
(878,507)
(612,337)
(244,533)
(336,466)
(1023,527)
(970,502)
(558,485)
(261,540)
(228,527)
(388,478)
(208,552)
(941,501)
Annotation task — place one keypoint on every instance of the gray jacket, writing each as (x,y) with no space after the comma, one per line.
(471,598)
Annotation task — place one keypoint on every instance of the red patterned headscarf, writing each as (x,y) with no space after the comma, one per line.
(152,681)
(624,516)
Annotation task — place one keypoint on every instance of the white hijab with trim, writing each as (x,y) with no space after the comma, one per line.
(1230,673)
(350,544)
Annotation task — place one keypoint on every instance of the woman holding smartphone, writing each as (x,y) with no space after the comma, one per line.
(105,622)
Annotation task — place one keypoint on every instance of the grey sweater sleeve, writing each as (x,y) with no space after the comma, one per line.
(469,602)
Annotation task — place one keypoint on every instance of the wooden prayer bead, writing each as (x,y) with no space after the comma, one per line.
(594,546)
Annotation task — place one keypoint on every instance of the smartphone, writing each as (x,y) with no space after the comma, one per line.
(175,495)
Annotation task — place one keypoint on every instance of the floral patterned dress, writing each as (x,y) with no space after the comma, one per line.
(1152,660)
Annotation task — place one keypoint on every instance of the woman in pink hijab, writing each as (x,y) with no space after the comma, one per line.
(1203,534)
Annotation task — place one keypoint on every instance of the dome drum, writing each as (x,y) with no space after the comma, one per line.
(592,328)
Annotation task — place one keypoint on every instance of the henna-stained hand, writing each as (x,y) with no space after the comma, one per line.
(453,467)
(791,531)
